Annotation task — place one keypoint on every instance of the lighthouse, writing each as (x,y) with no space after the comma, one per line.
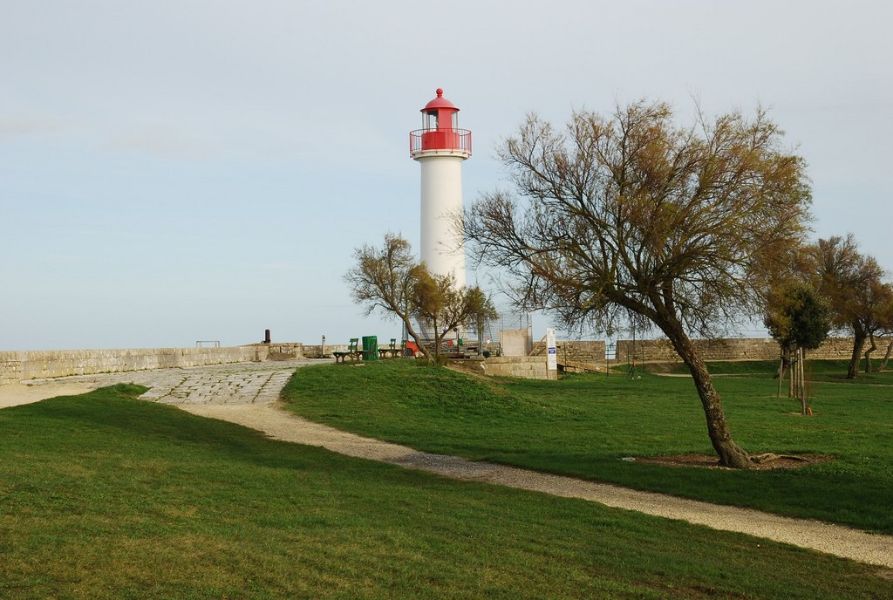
(440,147)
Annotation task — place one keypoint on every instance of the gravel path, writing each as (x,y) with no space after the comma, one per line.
(246,394)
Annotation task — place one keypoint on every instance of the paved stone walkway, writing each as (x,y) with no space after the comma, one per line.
(238,383)
(247,394)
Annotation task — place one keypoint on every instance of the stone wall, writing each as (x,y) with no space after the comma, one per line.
(574,352)
(590,351)
(24,365)
(318,351)
(19,366)
(528,367)
(726,349)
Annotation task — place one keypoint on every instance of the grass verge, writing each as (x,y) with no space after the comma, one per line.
(105,496)
(829,371)
(583,425)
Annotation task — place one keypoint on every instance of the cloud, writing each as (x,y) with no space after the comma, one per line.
(161,142)
(27,125)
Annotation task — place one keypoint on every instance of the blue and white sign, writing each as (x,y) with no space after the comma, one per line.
(551,351)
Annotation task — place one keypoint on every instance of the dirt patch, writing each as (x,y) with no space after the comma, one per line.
(16,394)
(762,462)
(664,368)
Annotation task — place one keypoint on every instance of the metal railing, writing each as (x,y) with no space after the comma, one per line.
(422,140)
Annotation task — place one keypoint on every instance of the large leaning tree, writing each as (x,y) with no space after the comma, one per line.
(632,214)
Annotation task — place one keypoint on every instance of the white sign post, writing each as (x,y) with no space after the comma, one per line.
(551,354)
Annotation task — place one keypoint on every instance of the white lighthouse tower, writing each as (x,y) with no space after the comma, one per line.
(440,147)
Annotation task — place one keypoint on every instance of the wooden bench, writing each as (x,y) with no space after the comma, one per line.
(353,352)
(392,351)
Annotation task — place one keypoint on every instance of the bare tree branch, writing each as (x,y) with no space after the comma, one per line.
(631,215)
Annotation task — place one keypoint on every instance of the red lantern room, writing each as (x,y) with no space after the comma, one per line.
(440,133)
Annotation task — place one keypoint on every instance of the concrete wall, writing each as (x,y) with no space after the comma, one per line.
(22,366)
(515,342)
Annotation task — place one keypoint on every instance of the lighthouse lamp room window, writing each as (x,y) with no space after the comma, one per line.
(430,121)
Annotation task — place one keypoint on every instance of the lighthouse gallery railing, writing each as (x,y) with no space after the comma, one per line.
(439,139)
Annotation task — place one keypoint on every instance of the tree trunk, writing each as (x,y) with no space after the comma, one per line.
(780,376)
(730,454)
(792,377)
(410,330)
(887,356)
(436,343)
(858,343)
(801,378)
(868,353)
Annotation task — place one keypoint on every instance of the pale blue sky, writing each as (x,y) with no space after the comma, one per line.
(196,169)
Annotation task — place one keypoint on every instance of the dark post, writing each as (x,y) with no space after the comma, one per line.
(266,336)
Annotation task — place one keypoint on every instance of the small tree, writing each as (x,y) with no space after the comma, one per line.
(384,279)
(799,319)
(852,283)
(389,280)
(889,352)
(632,214)
(886,314)
(438,301)
(881,322)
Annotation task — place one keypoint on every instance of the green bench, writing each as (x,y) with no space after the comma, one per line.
(353,352)
(392,351)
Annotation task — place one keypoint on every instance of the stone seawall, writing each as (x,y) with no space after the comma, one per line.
(20,366)
(588,351)
(318,351)
(592,352)
(17,366)
(726,349)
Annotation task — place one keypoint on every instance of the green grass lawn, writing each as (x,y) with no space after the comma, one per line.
(105,496)
(830,371)
(583,425)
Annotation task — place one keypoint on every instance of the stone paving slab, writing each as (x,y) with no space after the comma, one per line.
(238,383)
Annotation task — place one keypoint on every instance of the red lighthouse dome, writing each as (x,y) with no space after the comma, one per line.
(440,133)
